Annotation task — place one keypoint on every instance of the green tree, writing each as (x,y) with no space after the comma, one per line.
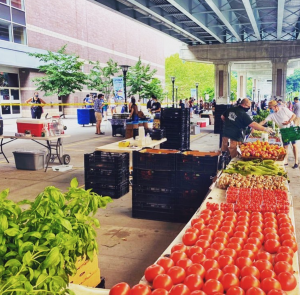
(249,88)
(138,78)
(233,86)
(153,88)
(63,74)
(293,82)
(101,78)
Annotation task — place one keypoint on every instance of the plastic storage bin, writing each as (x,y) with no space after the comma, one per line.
(29,160)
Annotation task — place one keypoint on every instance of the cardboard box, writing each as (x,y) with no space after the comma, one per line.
(93,280)
(195,129)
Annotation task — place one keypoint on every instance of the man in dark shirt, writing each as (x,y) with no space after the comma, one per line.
(156,105)
(150,103)
(235,121)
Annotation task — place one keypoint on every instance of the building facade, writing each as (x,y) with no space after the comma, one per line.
(90,30)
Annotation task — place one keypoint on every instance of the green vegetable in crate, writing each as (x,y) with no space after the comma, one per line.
(40,245)
(256,167)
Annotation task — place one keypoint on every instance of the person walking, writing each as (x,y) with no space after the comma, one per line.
(36,108)
(98,105)
(112,105)
(235,121)
(296,111)
(283,118)
(156,107)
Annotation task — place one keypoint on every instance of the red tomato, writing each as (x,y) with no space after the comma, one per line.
(257,235)
(229,252)
(284,220)
(271,236)
(193,230)
(189,238)
(198,258)
(218,246)
(269,230)
(241,262)
(211,253)
(258,223)
(180,289)
(176,255)
(283,257)
(235,291)
(212,286)
(213,273)
(276,292)
(249,281)
(199,225)
(262,264)
(240,234)
(286,249)
(283,266)
(242,228)
(257,218)
(247,253)
(287,236)
(231,269)
(243,218)
(204,244)
(213,227)
(196,269)
(269,214)
(287,224)
(215,222)
(287,281)
(218,213)
(290,243)
(152,271)
(255,291)
(235,246)
(271,246)
(224,260)
(250,271)
(140,289)
(162,281)
(270,219)
(270,283)
(184,263)
(177,274)
(221,240)
(120,289)
(243,223)
(228,223)
(230,213)
(207,237)
(255,228)
(193,282)
(160,292)
(254,241)
(267,273)
(205,217)
(165,262)
(230,280)
(271,224)
(237,240)
(251,247)
(198,292)
(210,263)
(207,231)
(244,213)
(194,249)
(264,255)
(284,230)
(231,219)
(227,229)
(221,234)
(196,220)
(179,247)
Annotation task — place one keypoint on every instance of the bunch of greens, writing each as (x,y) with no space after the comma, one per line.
(262,116)
(40,245)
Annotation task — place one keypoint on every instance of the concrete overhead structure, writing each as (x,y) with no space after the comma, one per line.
(265,62)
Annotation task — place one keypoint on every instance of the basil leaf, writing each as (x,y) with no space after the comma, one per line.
(12,262)
(52,258)
(12,232)
(3,222)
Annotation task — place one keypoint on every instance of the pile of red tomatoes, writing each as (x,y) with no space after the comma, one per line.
(232,253)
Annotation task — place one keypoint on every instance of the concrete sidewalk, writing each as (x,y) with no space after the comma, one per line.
(127,245)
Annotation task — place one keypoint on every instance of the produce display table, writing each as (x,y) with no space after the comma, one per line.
(53,143)
(217,195)
(114,147)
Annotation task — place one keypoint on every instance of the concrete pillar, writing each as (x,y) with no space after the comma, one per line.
(241,84)
(279,71)
(222,80)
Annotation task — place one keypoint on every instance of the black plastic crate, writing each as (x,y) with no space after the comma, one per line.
(191,196)
(118,129)
(195,180)
(197,163)
(153,214)
(157,134)
(176,145)
(154,178)
(106,160)
(183,214)
(174,113)
(113,191)
(154,161)
(106,176)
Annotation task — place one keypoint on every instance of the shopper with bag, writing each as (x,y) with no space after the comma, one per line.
(36,108)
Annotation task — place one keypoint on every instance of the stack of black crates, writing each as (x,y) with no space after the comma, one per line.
(107,173)
(176,123)
(219,110)
(170,186)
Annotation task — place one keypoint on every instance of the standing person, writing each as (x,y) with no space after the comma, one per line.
(98,105)
(112,105)
(149,104)
(235,121)
(191,101)
(139,105)
(238,102)
(181,104)
(252,106)
(283,118)
(36,109)
(186,103)
(134,110)
(104,109)
(296,111)
(88,100)
(156,107)
(263,104)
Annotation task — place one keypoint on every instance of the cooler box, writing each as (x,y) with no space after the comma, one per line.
(206,120)
(35,126)
(29,160)
(201,124)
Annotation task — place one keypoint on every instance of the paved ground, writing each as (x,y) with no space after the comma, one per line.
(127,245)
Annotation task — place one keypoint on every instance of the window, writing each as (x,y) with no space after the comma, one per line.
(15,94)
(18,16)
(17,4)
(19,34)
(4,1)
(5,12)
(5,33)
(16,109)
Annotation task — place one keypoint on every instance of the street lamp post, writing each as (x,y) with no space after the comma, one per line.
(176,95)
(197,84)
(258,93)
(173,81)
(253,93)
(125,69)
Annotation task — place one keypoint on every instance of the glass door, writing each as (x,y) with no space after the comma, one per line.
(10,101)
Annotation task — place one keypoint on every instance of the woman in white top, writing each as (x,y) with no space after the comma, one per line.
(112,105)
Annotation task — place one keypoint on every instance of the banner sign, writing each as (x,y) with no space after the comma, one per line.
(193,93)
(118,85)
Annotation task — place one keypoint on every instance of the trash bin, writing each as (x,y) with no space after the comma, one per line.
(29,160)
(86,116)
